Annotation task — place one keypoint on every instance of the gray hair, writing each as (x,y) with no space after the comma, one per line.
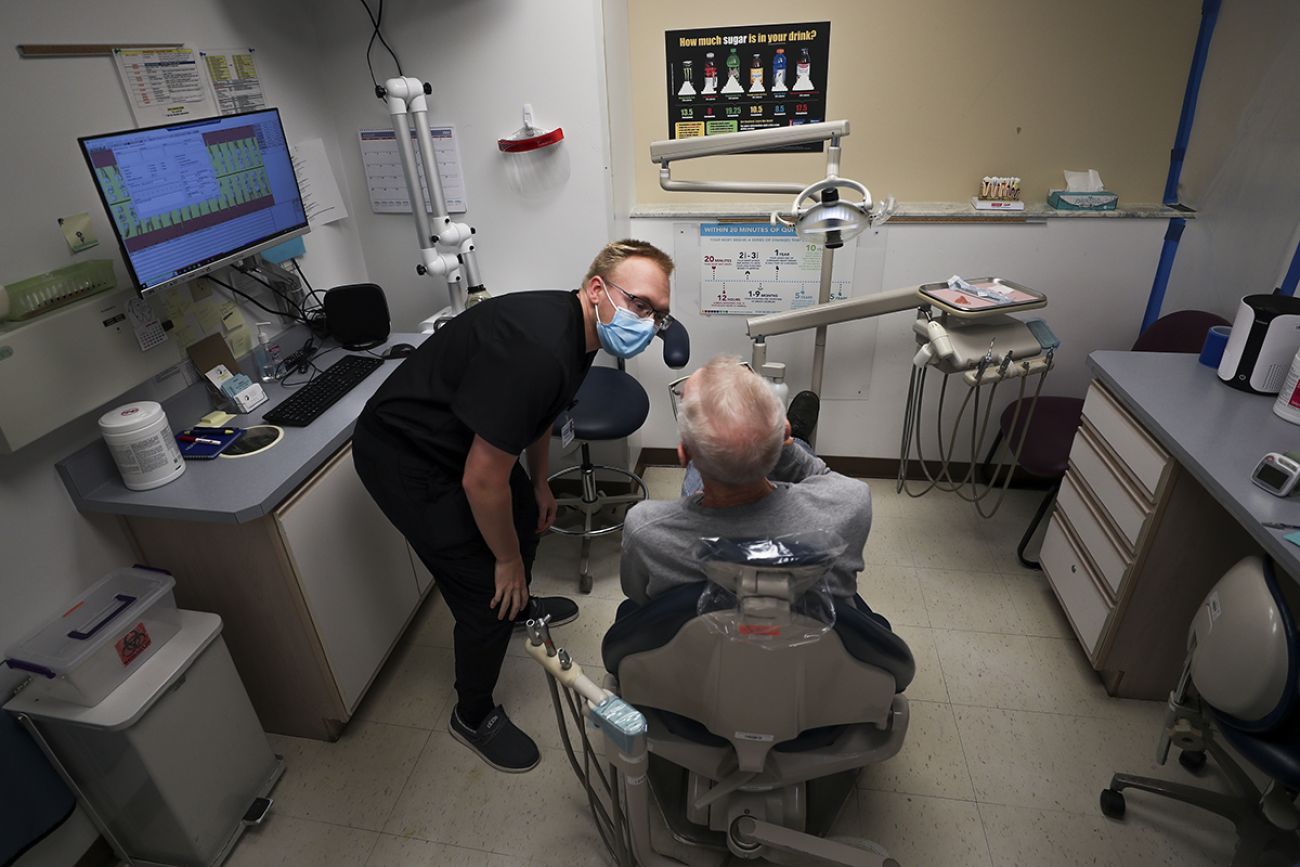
(731,422)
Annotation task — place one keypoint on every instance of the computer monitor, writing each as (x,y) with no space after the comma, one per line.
(188,198)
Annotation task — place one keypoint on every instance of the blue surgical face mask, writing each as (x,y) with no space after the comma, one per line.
(626,334)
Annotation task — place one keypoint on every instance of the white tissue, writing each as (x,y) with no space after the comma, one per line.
(956,282)
(1083,182)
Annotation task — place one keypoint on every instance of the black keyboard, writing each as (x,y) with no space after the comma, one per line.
(308,402)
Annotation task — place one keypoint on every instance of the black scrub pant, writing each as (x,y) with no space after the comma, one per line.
(433,513)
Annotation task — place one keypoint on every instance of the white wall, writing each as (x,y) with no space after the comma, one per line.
(1243,162)
(1096,274)
(485,59)
(51,552)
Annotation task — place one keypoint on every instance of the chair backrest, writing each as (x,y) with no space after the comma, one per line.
(1243,647)
(1183,331)
(765,668)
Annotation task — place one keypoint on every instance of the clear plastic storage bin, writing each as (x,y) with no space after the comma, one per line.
(102,638)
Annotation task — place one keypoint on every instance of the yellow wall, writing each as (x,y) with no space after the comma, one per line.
(942,92)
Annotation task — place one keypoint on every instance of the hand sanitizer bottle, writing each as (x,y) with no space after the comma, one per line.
(774,373)
(262,354)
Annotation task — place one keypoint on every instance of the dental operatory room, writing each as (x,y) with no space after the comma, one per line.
(638,433)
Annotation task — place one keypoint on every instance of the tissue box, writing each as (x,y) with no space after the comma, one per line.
(1064,200)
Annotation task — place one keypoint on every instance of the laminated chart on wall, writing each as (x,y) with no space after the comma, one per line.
(387,182)
(737,79)
(752,269)
(232,73)
(163,84)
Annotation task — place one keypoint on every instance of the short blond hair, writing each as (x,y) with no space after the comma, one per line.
(731,422)
(619,251)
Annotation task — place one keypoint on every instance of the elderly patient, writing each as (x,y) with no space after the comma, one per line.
(757,482)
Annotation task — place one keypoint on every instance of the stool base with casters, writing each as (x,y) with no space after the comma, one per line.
(589,504)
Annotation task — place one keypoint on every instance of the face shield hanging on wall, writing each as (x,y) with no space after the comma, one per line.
(535,160)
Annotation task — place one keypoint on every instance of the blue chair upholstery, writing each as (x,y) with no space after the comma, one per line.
(865,634)
(610,405)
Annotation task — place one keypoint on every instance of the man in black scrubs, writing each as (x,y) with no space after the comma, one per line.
(438,447)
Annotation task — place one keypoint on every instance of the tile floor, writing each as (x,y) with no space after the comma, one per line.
(1011,736)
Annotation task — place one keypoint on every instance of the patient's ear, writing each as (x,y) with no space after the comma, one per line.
(682,458)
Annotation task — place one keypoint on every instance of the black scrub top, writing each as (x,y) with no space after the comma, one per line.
(504,369)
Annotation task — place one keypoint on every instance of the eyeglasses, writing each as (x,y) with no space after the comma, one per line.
(675,387)
(642,308)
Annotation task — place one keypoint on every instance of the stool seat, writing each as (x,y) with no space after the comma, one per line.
(610,405)
(1046,452)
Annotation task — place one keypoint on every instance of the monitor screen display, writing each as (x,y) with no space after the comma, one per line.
(187,198)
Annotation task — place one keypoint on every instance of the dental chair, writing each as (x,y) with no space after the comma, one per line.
(1240,679)
(761,697)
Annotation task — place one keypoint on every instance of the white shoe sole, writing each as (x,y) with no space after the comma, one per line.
(491,764)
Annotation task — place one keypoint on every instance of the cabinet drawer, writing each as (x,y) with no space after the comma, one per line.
(1068,573)
(1127,508)
(1139,453)
(1090,530)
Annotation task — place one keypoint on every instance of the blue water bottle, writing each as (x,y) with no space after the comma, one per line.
(778,70)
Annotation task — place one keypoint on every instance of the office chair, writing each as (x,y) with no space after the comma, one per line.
(1239,678)
(610,405)
(764,697)
(1045,436)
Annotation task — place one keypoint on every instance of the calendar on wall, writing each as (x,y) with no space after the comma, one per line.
(387,182)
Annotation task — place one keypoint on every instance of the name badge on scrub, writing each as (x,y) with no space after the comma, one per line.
(566,432)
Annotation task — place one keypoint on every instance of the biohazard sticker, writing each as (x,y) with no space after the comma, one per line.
(132,644)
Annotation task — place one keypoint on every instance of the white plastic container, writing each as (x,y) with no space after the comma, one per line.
(142,445)
(1287,405)
(105,635)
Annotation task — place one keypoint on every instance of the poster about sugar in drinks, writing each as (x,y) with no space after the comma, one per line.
(735,79)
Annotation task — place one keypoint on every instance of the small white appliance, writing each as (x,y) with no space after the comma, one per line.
(1265,337)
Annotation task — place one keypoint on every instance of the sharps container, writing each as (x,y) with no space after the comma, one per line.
(103,636)
(173,765)
(142,444)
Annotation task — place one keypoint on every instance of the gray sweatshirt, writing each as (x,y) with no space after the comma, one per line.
(659,536)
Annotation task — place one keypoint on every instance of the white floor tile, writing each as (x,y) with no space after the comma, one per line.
(406,852)
(968,600)
(413,689)
(928,684)
(664,483)
(1039,611)
(1025,836)
(955,544)
(354,781)
(916,830)
(887,543)
(284,841)
(894,591)
(931,761)
(453,797)
(559,558)
(1057,762)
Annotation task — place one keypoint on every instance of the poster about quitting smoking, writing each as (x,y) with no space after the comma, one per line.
(734,79)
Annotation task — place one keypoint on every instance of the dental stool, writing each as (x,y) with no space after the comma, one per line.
(610,405)
(1240,678)
(764,697)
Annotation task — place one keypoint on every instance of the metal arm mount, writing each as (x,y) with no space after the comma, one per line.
(665,152)
(446,247)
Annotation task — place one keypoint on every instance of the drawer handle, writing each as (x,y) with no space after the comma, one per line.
(1074,567)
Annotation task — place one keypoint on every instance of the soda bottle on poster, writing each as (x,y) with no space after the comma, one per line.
(778,71)
(688,85)
(733,74)
(756,75)
(803,71)
(710,74)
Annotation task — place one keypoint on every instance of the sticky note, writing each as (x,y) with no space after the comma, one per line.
(1293,538)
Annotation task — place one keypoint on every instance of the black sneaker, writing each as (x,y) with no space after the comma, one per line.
(497,741)
(802,414)
(562,610)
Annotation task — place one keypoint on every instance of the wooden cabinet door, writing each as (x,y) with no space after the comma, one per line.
(354,570)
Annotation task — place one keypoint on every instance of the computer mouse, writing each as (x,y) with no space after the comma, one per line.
(399,350)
